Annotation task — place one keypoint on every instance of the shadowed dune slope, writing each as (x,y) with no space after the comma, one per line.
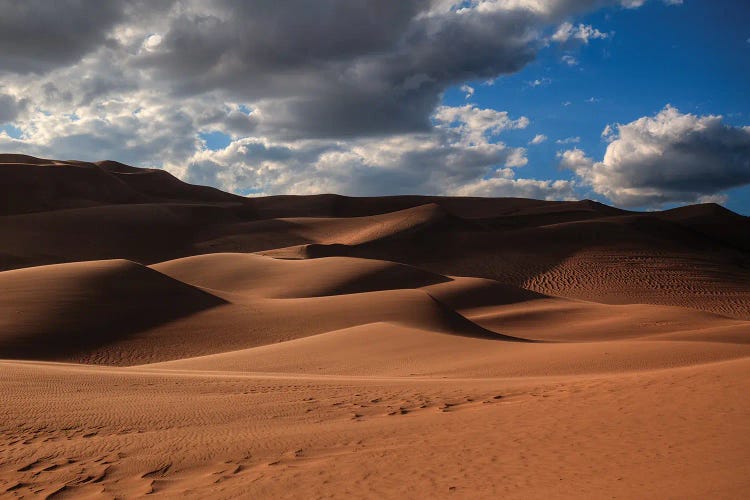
(60,311)
(35,185)
(285,232)
(146,233)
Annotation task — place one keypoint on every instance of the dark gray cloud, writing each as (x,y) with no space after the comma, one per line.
(37,35)
(336,69)
(330,68)
(10,108)
(670,157)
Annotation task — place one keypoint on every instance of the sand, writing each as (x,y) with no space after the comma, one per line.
(172,340)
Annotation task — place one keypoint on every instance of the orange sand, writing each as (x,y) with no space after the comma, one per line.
(167,339)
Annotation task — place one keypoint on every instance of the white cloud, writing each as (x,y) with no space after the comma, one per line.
(582,33)
(539,82)
(574,159)
(569,140)
(467,90)
(152,42)
(476,123)
(669,157)
(538,139)
(519,188)
(713,198)
(569,60)
(634,4)
(460,150)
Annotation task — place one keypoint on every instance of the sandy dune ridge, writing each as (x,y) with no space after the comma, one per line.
(167,339)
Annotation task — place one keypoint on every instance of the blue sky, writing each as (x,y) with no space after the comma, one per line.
(372,98)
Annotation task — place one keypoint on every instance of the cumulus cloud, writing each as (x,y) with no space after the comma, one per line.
(575,159)
(519,188)
(669,157)
(538,139)
(461,148)
(475,124)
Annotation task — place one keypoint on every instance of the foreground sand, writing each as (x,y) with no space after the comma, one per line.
(172,340)
(73,431)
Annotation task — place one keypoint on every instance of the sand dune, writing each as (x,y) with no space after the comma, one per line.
(695,257)
(206,304)
(386,350)
(272,278)
(55,312)
(277,234)
(168,339)
(34,185)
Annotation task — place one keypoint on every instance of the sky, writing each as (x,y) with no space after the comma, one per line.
(641,104)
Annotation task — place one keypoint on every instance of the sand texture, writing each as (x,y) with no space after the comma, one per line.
(170,340)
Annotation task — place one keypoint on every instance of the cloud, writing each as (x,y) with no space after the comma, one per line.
(461,148)
(667,158)
(634,4)
(36,35)
(467,90)
(475,123)
(344,95)
(568,140)
(583,33)
(575,159)
(569,60)
(539,82)
(538,139)
(152,42)
(10,107)
(519,188)
(341,58)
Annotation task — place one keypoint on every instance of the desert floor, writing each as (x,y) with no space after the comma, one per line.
(178,342)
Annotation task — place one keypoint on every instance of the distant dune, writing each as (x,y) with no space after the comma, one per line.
(159,337)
